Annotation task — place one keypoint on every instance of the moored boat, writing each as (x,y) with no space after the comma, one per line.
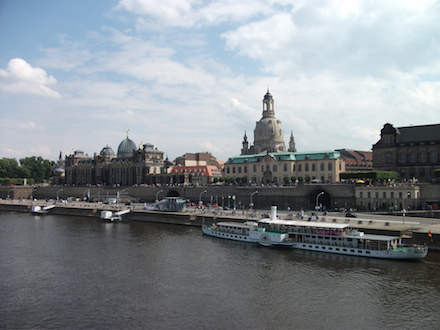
(343,239)
(316,236)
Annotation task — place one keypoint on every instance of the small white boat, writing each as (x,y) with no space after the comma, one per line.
(38,210)
(113,217)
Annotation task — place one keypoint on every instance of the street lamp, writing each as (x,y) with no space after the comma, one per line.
(403,206)
(58,194)
(317,198)
(84,194)
(200,196)
(157,195)
(251,204)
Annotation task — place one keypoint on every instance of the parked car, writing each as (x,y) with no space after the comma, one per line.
(350,215)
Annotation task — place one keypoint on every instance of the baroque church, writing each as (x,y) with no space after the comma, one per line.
(268,133)
(268,161)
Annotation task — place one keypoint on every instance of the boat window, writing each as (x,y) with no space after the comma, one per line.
(323,247)
(367,252)
(319,237)
(330,248)
(337,249)
(351,250)
(359,251)
(344,250)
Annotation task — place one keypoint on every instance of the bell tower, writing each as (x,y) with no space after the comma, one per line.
(268,105)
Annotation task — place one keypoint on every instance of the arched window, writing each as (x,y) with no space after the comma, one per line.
(307,167)
(433,156)
(402,157)
(412,157)
(423,157)
(313,167)
(330,166)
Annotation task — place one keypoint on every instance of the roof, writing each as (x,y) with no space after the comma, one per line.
(285,156)
(419,133)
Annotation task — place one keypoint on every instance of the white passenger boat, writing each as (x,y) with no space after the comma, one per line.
(316,236)
(342,239)
(249,231)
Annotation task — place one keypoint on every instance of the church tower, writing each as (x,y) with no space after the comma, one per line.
(268,133)
(292,147)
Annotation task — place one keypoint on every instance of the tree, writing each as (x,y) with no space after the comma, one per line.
(9,168)
(307,178)
(300,179)
(293,179)
(37,168)
(286,179)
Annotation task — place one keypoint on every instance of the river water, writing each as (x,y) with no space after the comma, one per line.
(60,272)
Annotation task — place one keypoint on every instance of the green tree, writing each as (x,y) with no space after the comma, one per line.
(286,180)
(37,168)
(9,168)
(300,179)
(293,179)
(307,178)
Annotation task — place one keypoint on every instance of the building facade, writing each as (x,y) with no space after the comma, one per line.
(395,197)
(412,152)
(322,166)
(130,166)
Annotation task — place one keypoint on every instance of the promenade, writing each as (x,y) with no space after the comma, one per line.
(409,227)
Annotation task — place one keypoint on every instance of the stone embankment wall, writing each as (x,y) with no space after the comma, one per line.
(298,197)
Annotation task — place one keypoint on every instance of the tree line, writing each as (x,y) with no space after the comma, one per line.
(34,169)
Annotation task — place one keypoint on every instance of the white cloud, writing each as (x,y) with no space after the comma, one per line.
(351,38)
(157,14)
(21,77)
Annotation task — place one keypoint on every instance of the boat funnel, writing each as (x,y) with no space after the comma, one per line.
(273,212)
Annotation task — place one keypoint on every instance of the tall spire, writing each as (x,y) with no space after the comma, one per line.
(292,147)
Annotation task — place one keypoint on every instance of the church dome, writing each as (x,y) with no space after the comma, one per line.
(126,148)
(268,129)
(107,152)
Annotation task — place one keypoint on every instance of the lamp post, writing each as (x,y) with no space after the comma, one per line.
(251,205)
(317,199)
(403,206)
(84,194)
(157,195)
(58,192)
(200,196)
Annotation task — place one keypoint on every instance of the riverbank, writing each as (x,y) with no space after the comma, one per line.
(412,232)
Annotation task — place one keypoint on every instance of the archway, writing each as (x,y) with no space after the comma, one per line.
(172,193)
(320,197)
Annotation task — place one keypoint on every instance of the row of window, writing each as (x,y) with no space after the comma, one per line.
(389,194)
(421,157)
(285,168)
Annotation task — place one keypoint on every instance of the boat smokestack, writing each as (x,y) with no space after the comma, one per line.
(273,212)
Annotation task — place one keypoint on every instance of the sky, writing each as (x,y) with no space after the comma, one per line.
(190,75)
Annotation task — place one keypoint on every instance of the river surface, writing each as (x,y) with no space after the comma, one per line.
(59,272)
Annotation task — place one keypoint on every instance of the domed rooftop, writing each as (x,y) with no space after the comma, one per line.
(268,95)
(268,129)
(107,152)
(126,148)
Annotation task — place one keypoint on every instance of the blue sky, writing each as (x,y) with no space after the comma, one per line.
(190,75)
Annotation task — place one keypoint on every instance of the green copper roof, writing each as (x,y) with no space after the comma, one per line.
(285,156)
